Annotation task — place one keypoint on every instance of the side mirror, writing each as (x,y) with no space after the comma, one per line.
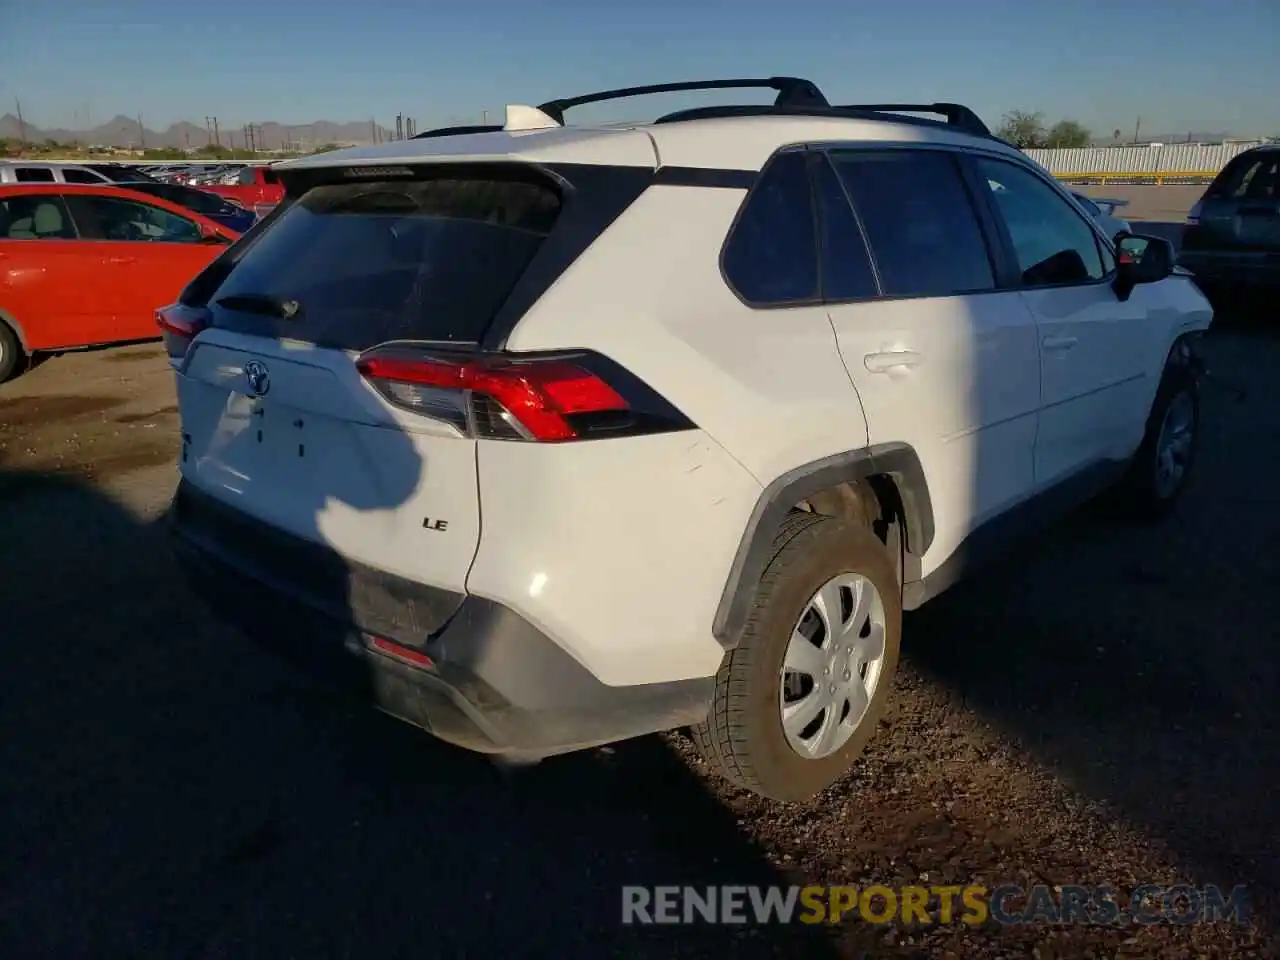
(1141,259)
(210,235)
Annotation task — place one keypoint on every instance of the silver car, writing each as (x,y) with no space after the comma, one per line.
(34,171)
(1103,210)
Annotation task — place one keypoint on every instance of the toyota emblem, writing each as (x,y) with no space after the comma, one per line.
(255,371)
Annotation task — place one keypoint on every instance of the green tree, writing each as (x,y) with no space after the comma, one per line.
(1023,129)
(1068,133)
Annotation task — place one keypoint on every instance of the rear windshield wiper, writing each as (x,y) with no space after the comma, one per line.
(263,303)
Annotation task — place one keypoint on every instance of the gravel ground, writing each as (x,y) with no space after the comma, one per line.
(1100,709)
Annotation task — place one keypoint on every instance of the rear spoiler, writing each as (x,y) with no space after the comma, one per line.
(1109,205)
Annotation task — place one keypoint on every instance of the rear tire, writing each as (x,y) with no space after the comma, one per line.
(13,360)
(850,659)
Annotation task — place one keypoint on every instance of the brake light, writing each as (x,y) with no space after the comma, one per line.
(179,325)
(501,397)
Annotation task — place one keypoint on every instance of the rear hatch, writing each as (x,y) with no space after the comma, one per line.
(279,422)
(1240,211)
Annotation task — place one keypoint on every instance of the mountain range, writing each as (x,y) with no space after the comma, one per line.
(121,131)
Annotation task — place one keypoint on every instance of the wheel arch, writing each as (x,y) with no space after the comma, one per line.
(10,321)
(890,473)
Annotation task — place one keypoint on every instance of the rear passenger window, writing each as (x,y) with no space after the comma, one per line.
(772,255)
(846,265)
(919,221)
(42,217)
(33,175)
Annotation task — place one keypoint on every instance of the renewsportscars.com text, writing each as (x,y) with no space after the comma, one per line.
(971,904)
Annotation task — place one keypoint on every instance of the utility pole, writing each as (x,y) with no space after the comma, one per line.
(142,133)
(216,139)
(1136,127)
(22,126)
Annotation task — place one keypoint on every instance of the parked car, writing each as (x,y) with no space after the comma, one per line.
(32,171)
(731,391)
(257,187)
(1103,209)
(1231,240)
(85,266)
(119,172)
(218,209)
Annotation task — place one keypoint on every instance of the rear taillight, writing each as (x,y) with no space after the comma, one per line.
(180,324)
(1193,215)
(546,399)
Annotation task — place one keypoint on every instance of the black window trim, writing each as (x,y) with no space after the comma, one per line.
(814,301)
(1004,271)
(817,158)
(1100,239)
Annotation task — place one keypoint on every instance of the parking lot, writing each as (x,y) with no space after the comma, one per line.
(1102,708)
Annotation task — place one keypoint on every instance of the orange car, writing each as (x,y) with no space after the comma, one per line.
(86,266)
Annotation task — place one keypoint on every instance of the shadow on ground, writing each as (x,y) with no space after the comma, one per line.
(171,790)
(1140,665)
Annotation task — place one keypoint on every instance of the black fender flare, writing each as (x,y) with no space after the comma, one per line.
(896,460)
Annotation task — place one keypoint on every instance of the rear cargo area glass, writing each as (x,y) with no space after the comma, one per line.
(375,261)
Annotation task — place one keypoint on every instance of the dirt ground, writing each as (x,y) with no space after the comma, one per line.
(1100,709)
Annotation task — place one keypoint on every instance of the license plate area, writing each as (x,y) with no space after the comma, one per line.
(1258,229)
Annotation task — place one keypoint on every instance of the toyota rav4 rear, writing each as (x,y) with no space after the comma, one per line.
(367,474)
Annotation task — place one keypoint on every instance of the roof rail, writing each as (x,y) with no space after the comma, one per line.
(974,127)
(955,114)
(791,91)
(458,130)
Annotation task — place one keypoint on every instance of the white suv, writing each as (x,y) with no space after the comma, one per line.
(575,434)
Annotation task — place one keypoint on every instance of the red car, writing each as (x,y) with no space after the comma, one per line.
(84,266)
(256,188)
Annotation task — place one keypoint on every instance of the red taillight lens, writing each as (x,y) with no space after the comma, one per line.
(548,400)
(179,325)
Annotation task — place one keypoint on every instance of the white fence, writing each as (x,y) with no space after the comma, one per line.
(1173,161)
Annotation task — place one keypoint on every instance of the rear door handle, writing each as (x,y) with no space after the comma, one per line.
(1059,343)
(890,360)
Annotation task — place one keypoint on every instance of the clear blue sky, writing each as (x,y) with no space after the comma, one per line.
(1179,64)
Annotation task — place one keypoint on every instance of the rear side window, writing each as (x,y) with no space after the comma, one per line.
(771,258)
(919,221)
(33,175)
(365,263)
(43,217)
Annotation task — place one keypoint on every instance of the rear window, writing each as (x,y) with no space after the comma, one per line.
(1249,177)
(365,263)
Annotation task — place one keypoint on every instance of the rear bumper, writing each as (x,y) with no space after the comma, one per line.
(1222,268)
(491,682)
